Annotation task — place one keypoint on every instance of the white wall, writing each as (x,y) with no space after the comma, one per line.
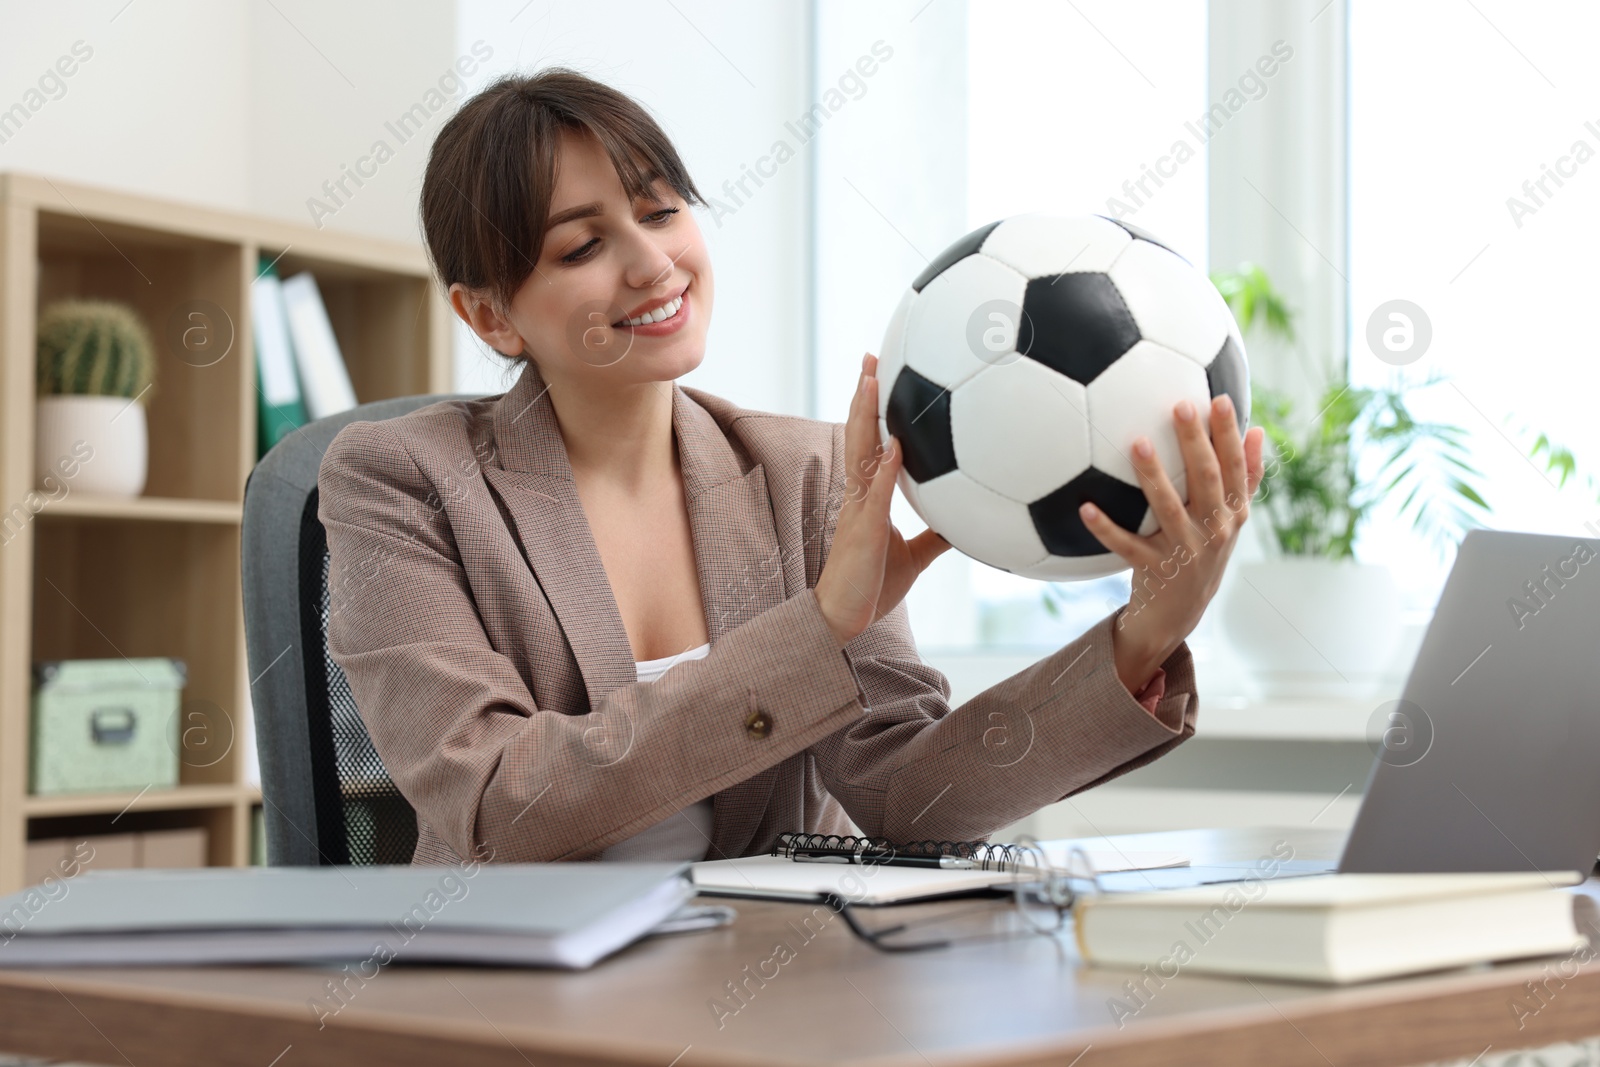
(239,104)
(158,108)
(325,81)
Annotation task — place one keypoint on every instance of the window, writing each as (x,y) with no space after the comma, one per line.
(1482,215)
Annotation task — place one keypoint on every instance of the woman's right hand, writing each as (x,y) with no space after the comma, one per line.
(870,566)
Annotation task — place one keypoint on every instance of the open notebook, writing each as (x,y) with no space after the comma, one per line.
(779,877)
(550,915)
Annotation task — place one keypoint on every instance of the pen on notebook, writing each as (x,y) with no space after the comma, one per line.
(944,863)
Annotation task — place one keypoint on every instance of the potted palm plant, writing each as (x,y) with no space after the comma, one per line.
(1311,619)
(96,366)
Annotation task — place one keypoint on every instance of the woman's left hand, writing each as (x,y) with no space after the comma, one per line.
(1177,569)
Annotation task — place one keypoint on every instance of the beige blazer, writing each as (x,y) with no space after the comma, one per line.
(473,618)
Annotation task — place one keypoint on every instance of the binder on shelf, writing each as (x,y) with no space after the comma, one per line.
(324,378)
(279,404)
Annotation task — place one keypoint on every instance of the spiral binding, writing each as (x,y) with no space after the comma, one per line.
(880,849)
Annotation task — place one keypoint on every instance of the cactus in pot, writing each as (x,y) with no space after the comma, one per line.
(94,348)
(95,375)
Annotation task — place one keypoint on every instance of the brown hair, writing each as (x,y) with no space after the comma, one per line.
(492,169)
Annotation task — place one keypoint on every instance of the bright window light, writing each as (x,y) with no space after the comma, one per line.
(1452,207)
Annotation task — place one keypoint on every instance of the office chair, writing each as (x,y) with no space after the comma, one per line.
(327,797)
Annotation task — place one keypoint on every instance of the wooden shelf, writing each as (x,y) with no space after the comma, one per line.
(147,508)
(185,796)
(159,575)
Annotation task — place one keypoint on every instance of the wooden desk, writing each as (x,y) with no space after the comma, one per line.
(1024,1000)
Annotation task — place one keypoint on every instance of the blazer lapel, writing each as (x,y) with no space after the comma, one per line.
(534,483)
(735,546)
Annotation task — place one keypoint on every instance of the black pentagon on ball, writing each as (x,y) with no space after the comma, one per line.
(1140,234)
(958,251)
(1056,519)
(1076,324)
(919,418)
(1227,374)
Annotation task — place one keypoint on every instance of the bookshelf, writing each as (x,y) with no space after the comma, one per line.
(159,575)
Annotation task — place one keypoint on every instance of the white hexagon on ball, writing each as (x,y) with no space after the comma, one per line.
(938,343)
(1134,396)
(1021,429)
(978,521)
(1172,303)
(1073,568)
(1039,245)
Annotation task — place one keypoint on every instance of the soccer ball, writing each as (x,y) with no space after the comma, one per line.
(1020,366)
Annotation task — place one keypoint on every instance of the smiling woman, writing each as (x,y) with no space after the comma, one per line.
(553,136)
(572,238)
(616,617)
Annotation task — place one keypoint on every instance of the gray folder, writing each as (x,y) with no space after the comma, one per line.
(557,915)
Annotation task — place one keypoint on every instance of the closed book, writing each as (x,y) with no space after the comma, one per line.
(566,915)
(280,408)
(324,379)
(1332,928)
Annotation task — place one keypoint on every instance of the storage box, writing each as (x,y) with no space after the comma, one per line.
(101,725)
(184,847)
(67,857)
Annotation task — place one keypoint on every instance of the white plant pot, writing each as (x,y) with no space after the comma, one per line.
(1314,627)
(105,437)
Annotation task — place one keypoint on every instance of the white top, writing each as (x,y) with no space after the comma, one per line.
(651,669)
(684,835)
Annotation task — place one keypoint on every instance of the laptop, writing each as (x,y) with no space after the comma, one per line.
(1490,761)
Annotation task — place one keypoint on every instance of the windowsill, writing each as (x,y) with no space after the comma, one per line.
(1288,718)
(1323,718)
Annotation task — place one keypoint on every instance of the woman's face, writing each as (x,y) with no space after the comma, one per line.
(605,261)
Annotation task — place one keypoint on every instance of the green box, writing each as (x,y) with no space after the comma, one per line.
(102,725)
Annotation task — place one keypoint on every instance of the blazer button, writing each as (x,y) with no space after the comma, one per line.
(757,724)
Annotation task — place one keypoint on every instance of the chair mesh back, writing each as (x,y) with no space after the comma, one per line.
(361,816)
